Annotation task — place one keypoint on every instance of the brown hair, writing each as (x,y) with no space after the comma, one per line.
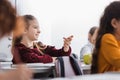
(7,17)
(27,19)
(92,30)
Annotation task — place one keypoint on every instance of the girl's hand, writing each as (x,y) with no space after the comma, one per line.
(67,42)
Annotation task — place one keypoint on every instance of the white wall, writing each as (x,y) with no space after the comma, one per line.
(41,12)
(61,18)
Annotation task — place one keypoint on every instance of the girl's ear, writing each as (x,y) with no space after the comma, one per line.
(114,23)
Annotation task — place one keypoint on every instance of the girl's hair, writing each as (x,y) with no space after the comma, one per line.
(92,30)
(7,18)
(27,19)
(112,11)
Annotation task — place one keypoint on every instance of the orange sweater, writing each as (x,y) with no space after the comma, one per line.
(109,54)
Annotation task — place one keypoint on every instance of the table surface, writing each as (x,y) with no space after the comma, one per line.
(85,67)
(36,67)
(6,65)
(90,77)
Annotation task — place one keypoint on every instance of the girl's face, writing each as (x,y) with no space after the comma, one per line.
(95,36)
(33,30)
(89,37)
(118,28)
(92,38)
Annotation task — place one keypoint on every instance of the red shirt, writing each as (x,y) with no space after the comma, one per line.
(27,55)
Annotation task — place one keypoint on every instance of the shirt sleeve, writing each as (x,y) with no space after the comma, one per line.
(111,50)
(52,51)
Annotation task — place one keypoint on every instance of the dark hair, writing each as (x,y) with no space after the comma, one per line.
(112,11)
(7,17)
(92,30)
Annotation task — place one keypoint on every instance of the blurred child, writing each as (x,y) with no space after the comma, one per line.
(88,48)
(106,55)
(7,25)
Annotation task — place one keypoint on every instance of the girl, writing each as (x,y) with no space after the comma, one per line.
(88,48)
(7,25)
(31,52)
(106,55)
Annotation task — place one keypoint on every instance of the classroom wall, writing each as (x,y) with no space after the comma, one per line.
(61,18)
(75,17)
(38,9)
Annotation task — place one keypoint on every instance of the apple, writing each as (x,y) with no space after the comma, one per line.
(87,58)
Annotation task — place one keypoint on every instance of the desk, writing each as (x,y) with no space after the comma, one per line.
(85,68)
(39,69)
(42,70)
(45,68)
(5,65)
(91,77)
